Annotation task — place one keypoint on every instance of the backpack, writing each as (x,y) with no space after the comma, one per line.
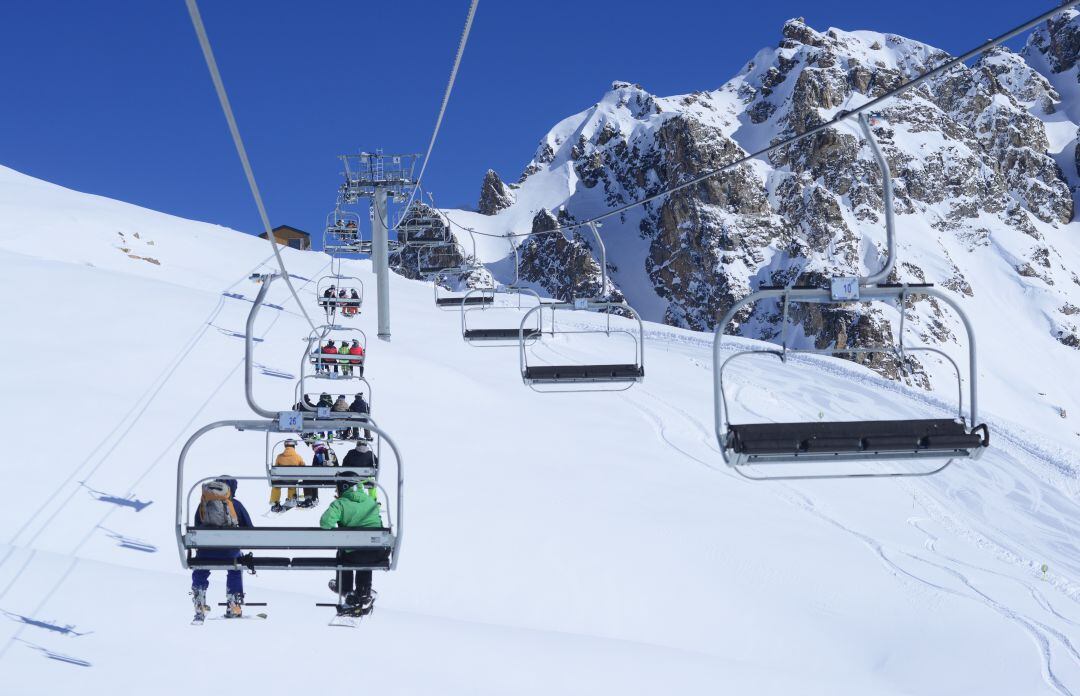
(216,507)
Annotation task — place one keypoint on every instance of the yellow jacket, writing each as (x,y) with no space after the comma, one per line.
(290,457)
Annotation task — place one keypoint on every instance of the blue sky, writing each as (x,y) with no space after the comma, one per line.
(112,96)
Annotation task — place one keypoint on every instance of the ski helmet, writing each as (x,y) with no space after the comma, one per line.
(346,480)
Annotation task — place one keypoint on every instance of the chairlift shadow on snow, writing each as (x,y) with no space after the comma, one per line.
(126,542)
(236,334)
(271,372)
(52,655)
(130,501)
(65,630)
(239,296)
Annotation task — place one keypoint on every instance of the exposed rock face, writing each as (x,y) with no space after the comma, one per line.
(563,266)
(494,194)
(973,172)
(1059,41)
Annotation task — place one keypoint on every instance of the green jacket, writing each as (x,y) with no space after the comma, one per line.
(355,508)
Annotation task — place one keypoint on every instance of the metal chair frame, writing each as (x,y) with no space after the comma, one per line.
(845,291)
(619,378)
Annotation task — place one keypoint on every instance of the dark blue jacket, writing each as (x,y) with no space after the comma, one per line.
(358,459)
(359,405)
(242,517)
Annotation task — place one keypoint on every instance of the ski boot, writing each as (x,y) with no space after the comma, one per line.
(367,602)
(351,605)
(198,598)
(290,503)
(234,605)
(276,507)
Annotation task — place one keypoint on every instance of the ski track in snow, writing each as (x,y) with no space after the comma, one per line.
(1041,633)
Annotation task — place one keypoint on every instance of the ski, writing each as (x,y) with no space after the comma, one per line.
(198,620)
(234,618)
(346,621)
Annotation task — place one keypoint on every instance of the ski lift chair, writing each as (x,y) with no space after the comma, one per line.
(472,298)
(300,548)
(416,232)
(308,476)
(500,336)
(342,232)
(314,355)
(340,282)
(939,441)
(307,403)
(429,270)
(610,376)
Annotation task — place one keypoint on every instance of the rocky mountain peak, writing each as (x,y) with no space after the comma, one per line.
(976,163)
(494,194)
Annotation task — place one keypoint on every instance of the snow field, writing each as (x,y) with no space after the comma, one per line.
(579,543)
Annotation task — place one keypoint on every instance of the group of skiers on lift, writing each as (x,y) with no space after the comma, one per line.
(346,298)
(340,405)
(355,351)
(356,505)
(322,455)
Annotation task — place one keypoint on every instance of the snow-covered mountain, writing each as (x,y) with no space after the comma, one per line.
(984,167)
(572,544)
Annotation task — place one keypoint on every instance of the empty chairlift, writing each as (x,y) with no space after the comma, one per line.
(472,298)
(822,450)
(610,375)
(479,331)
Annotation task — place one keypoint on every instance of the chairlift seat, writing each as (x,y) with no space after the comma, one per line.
(378,559)
(315,476)
(583,373)
(458,301)
(855,439)
(287,538)
(498,334)
(251,562)
(374,561)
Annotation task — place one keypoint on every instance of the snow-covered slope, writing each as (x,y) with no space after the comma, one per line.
(589,543)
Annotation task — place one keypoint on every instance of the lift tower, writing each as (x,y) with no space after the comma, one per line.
(381,178)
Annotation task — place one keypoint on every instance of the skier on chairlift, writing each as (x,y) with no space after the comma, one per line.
(361,456)
(341,406)
(328,301)
(288,457)
(324,364)
(359,405)
(354,507)
(352,307)
(219,508)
